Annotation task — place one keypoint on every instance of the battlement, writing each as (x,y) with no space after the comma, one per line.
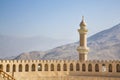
(71,65)
(35,61)
(58,61)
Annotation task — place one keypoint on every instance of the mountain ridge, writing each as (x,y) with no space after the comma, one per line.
(104,45)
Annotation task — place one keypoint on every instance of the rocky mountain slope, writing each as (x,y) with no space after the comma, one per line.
(103,45)
(31,55)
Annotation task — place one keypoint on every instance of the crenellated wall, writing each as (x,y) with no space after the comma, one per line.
(47,68)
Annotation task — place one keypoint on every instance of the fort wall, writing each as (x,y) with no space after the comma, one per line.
(60,68)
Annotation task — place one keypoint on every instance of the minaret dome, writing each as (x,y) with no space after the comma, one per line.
(83,23)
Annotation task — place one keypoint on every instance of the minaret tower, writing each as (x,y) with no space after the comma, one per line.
(82,48)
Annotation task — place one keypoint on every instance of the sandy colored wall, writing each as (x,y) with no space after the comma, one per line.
(31,75)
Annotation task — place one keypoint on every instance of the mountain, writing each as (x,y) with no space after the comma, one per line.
(13,46)
(31,55)
(63,52)
(104,45)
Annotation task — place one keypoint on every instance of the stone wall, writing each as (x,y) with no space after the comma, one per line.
(59,68)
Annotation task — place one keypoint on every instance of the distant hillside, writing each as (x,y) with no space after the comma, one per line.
(12,46)
(103,45)
(31,55)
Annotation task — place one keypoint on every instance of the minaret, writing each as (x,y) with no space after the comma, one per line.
(82,48)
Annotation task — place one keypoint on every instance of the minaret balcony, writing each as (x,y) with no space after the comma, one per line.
(82,49)
(83,31)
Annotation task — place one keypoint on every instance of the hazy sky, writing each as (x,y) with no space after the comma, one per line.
(57,19)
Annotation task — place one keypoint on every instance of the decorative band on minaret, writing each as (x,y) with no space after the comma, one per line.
(82,48)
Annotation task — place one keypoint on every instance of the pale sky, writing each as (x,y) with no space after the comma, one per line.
(58,19)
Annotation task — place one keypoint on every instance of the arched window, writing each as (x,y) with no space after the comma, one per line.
(71,67)
(33,67)
(110,67)
(58,67)
(52,67)
(26,67)
(14,68)
(96,68)
(64,67)
(83,67)
(46,67)
(90,67)
(118,68)
(20,68)
(104,68)
(1,67)
(7,68)
(39,67)
(77,67)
